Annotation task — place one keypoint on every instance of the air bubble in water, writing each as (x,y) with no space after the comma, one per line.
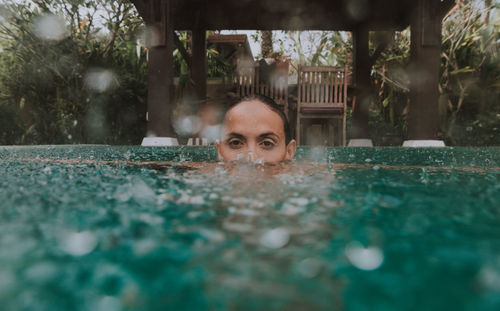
(79,243)
(275,238)
(364,258)
(50,27)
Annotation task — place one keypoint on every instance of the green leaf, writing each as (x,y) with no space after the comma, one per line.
(385,103)
(462,70)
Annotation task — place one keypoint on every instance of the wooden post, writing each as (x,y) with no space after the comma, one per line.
(423,118)
(199,62)
(161,76)
(361,75)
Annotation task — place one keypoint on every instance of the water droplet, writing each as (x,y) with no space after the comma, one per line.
(151,219)
(100,80)
(211,132)
(108,303)
(275,238)
(122,193)
(7,283)
(187,125)
(238,227)
(299,201)
(290,209)
(357,9)
(127,155)
(489,278)
(140,190)
(41,272)
(50,27)
(79,243)
(424,178)
(318,154)
(309,267)
(144,247)
(364,258)
(185,198)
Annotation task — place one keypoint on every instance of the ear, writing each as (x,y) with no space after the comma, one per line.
(219,155)
(290,149)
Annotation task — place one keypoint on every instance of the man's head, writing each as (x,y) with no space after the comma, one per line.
(255,128)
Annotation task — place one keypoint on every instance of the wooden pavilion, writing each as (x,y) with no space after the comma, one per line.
(358,16)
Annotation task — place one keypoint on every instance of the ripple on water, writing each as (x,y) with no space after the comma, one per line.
(123,235)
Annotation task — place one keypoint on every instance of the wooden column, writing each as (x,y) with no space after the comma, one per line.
(161,75)
(423,118)
(361,79)
(199,62)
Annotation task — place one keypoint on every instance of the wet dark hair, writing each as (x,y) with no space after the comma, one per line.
(269,102)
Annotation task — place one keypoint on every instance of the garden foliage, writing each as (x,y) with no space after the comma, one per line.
(71,72)
(84,81)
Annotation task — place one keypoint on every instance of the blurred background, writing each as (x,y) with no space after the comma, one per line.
(75,72)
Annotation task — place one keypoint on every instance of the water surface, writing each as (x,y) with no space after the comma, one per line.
(127,228)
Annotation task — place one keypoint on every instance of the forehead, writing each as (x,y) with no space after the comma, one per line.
(253,116)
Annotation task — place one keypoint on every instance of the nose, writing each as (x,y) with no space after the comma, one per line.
(251,152)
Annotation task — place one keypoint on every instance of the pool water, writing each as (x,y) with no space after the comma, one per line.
(131,228)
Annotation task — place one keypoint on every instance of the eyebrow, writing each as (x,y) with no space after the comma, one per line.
(235,135)
(261,136)
(268,134)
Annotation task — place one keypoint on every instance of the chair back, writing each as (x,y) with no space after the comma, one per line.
(322,87)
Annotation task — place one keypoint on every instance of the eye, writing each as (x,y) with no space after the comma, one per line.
(267,144)
(235,143)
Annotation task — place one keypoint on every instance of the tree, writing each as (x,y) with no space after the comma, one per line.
(470,81)
(72,71)
(266,43)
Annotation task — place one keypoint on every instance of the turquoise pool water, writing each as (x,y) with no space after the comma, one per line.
(131,228)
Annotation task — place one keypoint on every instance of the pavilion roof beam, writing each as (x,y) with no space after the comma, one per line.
(281,14)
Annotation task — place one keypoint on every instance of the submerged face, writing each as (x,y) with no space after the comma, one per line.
(252,131)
